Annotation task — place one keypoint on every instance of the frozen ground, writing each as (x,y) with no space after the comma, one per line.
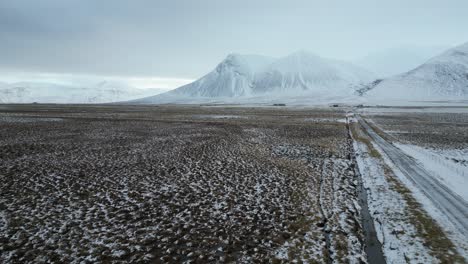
(443,108)
(193,184)
(172,184)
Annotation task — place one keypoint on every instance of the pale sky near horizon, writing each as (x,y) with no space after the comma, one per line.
(168,43)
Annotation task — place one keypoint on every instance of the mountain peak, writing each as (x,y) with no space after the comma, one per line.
(246,64)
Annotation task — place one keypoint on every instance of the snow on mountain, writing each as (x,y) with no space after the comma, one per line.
(103,92)
(390,62)
(305,72)
(444,77)
(232,77)
(243,77)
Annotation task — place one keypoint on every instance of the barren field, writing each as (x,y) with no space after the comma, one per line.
(431,130)
(177,184)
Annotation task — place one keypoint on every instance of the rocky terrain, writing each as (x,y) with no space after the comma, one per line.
(431,129)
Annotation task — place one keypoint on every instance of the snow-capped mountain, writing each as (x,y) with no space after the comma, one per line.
(103,92)
(248,76)
(444,77)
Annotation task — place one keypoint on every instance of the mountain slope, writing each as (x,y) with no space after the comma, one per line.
(305,72)
(444,77)
(390,62)
(244,77)
(103,92)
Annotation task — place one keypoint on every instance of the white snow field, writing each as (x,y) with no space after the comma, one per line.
(41,92)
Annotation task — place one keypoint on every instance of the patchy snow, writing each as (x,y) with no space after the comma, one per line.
(453,175)
(18,119)
(92,189)
(219,116)
(339,120)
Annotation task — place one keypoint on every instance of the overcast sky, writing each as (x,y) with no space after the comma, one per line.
(179,40)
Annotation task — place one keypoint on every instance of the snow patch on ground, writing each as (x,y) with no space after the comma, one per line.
(339,120)
(220,116)
(13,119)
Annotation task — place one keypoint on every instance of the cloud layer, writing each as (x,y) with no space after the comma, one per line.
(184,39)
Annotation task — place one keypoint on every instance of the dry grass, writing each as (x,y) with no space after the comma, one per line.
(359,135)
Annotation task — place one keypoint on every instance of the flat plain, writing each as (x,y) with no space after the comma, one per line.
(164,184)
